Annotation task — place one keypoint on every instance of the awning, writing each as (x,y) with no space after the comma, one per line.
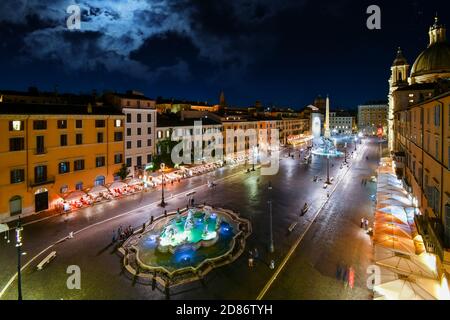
(409,265)
(396,244)
(98,189)
(402,289)
(117,184)
(74,195)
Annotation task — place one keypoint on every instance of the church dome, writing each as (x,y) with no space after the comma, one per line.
(435,59)
(434,62)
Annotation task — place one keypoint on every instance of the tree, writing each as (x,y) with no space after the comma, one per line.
(123,172)
(164,155)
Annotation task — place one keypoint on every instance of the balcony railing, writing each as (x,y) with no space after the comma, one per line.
(42,181)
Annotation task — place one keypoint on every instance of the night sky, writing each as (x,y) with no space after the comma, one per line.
(281,52)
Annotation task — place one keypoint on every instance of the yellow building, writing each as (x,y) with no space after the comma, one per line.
(422,134)
(47,150)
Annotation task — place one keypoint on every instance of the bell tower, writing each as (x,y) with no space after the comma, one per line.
(398,79)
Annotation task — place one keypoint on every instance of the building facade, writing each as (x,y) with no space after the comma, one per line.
(372,118)
(341,123)
(140,126)
(49,150)
(421,108)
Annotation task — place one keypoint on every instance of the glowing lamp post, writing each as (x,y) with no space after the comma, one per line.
(163,166)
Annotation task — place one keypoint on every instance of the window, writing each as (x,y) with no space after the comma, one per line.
(168,133)
(128,117)
(118,136)
(128,144)
(16,125)
(79,138)
(99,137)
(149,130)
(17,175)
(16,144)
(128,103)
(149,158)
(99,161)
(437,115)
(78,124)
(149,117)
(436,149)
(117,158)
(62,124)
(139,143)
(40,174)
(139,131)
(117,123)
(40,124)
(63,140)
(79,186)
(128,162)
(64,167)
(99,123)
(149,142)
(78,165)
(159,134)
(139,117)
(128,132)
(139,161)
(40,149)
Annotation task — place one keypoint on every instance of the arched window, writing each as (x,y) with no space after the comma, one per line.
(15,205)
(400,77)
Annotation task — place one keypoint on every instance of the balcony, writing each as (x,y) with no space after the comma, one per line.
(41,181)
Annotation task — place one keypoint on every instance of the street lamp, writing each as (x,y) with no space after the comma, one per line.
(328,169)
(163,166)
(271,246)
(19,259)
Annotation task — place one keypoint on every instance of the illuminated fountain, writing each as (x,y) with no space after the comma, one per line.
(185,245)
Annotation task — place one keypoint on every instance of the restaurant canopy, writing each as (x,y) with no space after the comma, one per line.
(394,243)
(98,189)
(74,195)
(117,184)
(409,265)
(3,227)
(402,289)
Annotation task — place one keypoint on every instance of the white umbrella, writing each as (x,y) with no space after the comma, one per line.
(75,195)
(408,265)
(117,184)
(402,289)
(98,189)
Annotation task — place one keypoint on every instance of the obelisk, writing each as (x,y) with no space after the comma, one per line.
(327,119)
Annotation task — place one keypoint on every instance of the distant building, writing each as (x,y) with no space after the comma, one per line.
(341,122)
(373,119)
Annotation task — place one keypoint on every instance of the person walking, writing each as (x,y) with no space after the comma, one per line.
(351,277)
(366,224)
(256,253)
(345,276)
(362,223)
